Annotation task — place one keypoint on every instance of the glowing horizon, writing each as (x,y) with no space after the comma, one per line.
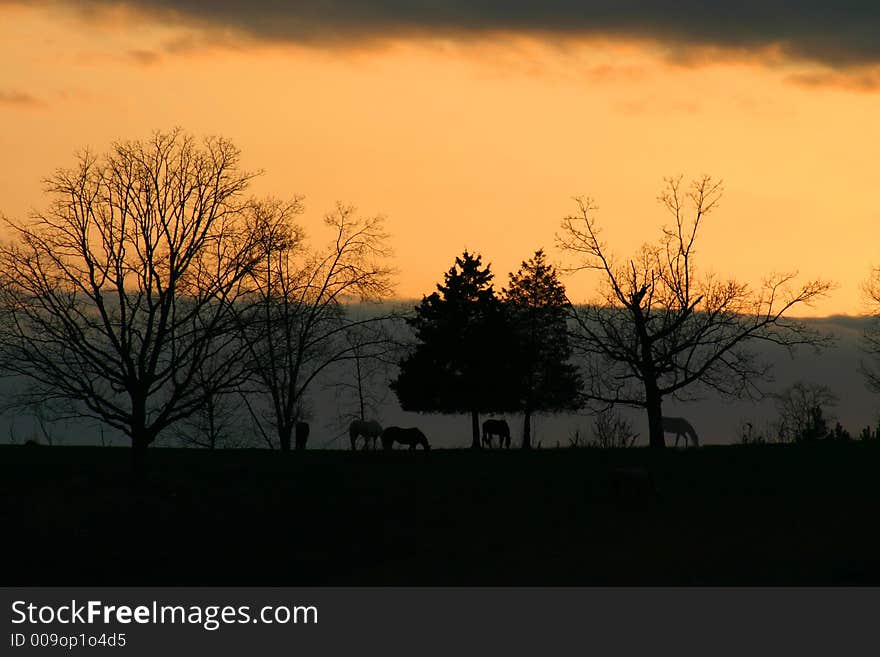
(477,141)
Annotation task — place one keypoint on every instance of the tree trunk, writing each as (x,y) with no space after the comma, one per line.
(475,426)
(284,434)
(140,437)
(301,435)
(138,457)
(654,406)
(527,429)
(653,398)
(140,440)
(212,428)
(357,362)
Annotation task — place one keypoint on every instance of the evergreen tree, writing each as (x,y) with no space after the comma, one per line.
(542,376)
(457,365)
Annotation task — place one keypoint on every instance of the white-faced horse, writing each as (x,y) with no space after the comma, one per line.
(493,428)
(411,436)
(368,429)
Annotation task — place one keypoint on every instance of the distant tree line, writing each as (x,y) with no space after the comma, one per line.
(804,414)
(154,291)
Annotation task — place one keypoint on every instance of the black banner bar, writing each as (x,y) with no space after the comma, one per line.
(438,621)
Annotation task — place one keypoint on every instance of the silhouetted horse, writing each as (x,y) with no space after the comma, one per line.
(499,428)
(369,429)
(411,437)
(302,434)
(682,429)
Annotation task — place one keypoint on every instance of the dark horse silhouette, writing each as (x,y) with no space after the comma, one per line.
(493,428)
(682,429)
(302,434)
(411,437)
(369,429)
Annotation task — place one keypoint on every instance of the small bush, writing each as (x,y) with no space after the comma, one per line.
(611,430)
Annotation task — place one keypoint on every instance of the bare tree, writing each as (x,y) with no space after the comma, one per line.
(662,328)
(871,337)
(611,430)
(360,383)
(298,325)
(803,409)
(116,295)
(218,421)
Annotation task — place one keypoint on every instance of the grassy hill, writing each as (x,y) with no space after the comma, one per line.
(718,515)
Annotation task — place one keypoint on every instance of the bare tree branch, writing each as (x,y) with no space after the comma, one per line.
(663,328)
(296,325)
(117,294)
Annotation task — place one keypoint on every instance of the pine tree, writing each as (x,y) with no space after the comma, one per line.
(543,378)
(457,364)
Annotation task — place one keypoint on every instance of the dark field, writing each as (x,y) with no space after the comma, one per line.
(717,515)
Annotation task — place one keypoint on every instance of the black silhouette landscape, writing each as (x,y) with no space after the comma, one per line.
(718,515)
(156,298)
(474,375)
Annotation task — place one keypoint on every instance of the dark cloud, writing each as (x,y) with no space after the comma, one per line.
(144,57)
(20,99)
(867,80)
(839,34)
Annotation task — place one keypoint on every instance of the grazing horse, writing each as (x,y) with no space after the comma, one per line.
(682,429)
(492,428)
(411,437)
(302,434)
(369,429)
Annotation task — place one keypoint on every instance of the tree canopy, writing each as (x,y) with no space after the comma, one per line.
(663,328)
(458,364)
(297,323)
(543,376)
(117,297)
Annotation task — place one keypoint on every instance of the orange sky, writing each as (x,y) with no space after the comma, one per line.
(476,143)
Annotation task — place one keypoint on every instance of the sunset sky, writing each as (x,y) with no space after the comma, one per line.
(472,125)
